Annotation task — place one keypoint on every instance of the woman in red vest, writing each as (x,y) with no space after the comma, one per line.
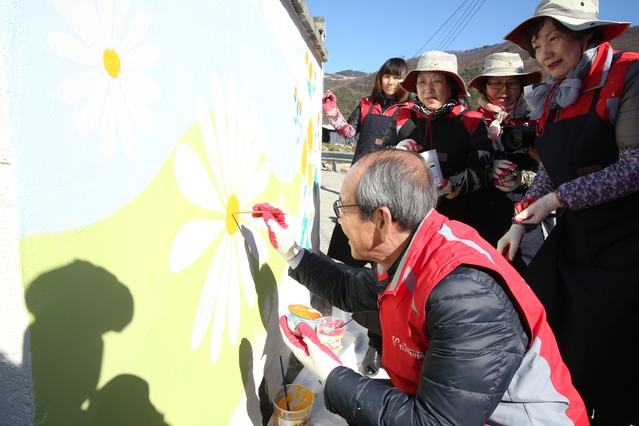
(369,120)
(501,86)
(373,115)
(441,124)
(587,272)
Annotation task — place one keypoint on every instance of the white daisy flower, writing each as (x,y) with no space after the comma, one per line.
(238,181)
(111,85)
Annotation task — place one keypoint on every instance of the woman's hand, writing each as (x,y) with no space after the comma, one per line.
(539,209)
(506,177)
(509,243)
(445,188)
(409,145)
(329,102)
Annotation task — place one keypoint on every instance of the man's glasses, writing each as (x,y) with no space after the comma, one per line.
(498,85)
(338,206)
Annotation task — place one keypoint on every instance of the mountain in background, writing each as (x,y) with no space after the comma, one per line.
(351,86)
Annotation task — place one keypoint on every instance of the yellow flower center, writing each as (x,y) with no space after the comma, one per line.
(231,219)
(111,62)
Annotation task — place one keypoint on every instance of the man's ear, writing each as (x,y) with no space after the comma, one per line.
(383,221)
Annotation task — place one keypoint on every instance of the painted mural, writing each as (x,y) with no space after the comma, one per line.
(144,131)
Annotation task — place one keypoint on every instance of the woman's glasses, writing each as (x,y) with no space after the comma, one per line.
(337,207)
(498,85)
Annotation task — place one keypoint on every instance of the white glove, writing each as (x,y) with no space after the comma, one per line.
(409,145)
(510,183)
(281,232)
(307,348)
(502,168)
(506,177)
(509,243)
(444,188)
(539,209)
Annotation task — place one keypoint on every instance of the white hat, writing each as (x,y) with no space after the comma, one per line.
(505,64)
(577,15)
(435,61)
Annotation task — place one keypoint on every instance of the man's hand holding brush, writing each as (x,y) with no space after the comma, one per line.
(281,231)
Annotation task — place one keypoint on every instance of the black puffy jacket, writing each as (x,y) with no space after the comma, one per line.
(479,301)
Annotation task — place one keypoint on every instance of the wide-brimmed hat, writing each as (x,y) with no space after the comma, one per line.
(577,15)
(505,64)
(435,61)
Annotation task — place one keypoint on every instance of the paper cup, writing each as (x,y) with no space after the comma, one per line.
(300,402)
(330,331)
(432,162)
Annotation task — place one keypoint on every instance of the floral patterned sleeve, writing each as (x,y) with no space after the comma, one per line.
(615,181)
(342,127)
(541,184)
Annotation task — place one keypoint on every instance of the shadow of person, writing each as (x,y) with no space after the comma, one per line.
(247,363)
(73,307)
(124,401)
(258,404)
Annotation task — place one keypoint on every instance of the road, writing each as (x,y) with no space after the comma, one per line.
(330,184)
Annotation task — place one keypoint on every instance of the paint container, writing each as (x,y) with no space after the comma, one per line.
(432,162)
(302,313)
(330,331)
(300,400)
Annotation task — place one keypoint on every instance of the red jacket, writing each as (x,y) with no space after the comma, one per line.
(438,248)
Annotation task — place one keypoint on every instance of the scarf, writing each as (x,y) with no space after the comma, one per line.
(442,110)
(432,115)
(502,115)
(564,92)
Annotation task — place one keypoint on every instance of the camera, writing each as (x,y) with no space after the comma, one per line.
(518,138)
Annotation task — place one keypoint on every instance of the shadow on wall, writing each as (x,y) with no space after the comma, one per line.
(73,307)
(258,405)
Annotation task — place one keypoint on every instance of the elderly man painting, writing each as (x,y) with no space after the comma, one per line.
(465,340)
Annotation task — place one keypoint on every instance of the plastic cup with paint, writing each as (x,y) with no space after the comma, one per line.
(302,313)
(432,162)
(330,331)
(300,406)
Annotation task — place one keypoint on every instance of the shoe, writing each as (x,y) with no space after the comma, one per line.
(371,363)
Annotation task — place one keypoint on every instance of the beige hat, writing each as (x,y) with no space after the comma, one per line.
(435,61)
(505,64)
(577,15)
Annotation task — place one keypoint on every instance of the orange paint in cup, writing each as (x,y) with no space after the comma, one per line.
(300,402)
(302,313)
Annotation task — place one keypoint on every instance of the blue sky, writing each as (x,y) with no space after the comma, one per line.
(362,34)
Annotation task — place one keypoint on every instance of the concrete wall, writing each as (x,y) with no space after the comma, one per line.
(130,132)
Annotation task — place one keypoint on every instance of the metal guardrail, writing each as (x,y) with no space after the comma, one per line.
(335,156)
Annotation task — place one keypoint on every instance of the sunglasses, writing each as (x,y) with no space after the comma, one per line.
(337,207)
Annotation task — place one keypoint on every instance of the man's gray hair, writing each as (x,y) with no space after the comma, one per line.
(399,180)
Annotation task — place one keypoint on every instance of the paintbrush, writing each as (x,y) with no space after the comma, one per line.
(288,407)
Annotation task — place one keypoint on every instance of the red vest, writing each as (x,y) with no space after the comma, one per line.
(438,247)
(610,92)
(368,104)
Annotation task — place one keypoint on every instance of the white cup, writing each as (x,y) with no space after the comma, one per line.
(432,162)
